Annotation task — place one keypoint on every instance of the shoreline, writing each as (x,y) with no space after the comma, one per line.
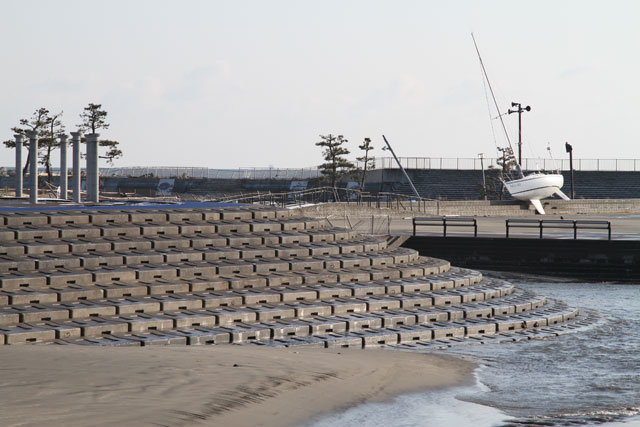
(210,386)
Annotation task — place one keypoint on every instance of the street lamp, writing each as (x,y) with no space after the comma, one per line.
(569,150)
(484,183)
(519,110)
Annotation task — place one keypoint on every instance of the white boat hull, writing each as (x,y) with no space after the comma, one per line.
(536,186)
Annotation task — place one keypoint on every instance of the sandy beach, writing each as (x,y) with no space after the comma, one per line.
(208,386)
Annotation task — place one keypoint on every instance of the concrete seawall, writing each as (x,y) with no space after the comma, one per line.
(600,260)
(245,275)
(587,258)
(481,208)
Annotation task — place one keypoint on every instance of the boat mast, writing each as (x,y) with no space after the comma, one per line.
(495,103)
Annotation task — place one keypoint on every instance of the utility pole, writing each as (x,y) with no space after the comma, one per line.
(569,150)
(519,110)
(484,182)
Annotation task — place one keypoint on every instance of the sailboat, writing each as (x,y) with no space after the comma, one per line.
(535,186)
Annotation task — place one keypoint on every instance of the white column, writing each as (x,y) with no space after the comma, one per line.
(64,183)
(77,170)
(93,181)
(33,166)
(19,182)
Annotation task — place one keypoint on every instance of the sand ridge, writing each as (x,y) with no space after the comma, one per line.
(209,386)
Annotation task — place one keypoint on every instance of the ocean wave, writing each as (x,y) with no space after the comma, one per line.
(587,417)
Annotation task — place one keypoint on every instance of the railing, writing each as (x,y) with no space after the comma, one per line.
(435,163)
(445,222)
(188,172)
(324,195)
(575,225)
(474,163)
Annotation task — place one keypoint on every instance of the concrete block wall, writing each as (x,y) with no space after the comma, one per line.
(238,275)
(509,209)
(451,184)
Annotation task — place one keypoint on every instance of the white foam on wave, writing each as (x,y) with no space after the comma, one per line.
(434,408)
(425,409)
(631,422)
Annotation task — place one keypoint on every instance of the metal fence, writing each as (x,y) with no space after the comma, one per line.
(187,172)
(323,195)
(474,163)
(436,163)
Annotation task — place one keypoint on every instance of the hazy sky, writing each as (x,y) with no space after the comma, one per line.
(227,84)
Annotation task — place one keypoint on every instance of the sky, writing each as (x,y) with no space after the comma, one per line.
(240,83)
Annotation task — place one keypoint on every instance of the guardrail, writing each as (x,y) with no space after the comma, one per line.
(445,222)
(575,225)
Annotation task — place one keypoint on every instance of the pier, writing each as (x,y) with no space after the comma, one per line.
(603,248)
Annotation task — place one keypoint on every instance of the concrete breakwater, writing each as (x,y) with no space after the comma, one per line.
(479,208)
(443,184)
(136,277)
(599,260)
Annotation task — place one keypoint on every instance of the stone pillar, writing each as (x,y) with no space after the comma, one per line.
(77,172)
(33,166)
(63,167)
(93,181)
(87,175)
(19,183)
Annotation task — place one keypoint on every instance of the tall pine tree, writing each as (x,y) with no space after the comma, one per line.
(335,165)
(367,162)
(38,122)
(93,119)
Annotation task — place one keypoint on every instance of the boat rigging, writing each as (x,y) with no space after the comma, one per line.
(534,186)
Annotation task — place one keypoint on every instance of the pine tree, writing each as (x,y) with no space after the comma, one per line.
(335,165)
(495,189)
(93,119)
(50,141)
(38,122)
(367,162)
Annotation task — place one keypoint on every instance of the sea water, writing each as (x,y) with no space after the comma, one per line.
(589,377)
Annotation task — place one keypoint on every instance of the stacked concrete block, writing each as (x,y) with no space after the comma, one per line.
(265,276)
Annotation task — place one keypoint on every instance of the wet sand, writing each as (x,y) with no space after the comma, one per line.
(206,386)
